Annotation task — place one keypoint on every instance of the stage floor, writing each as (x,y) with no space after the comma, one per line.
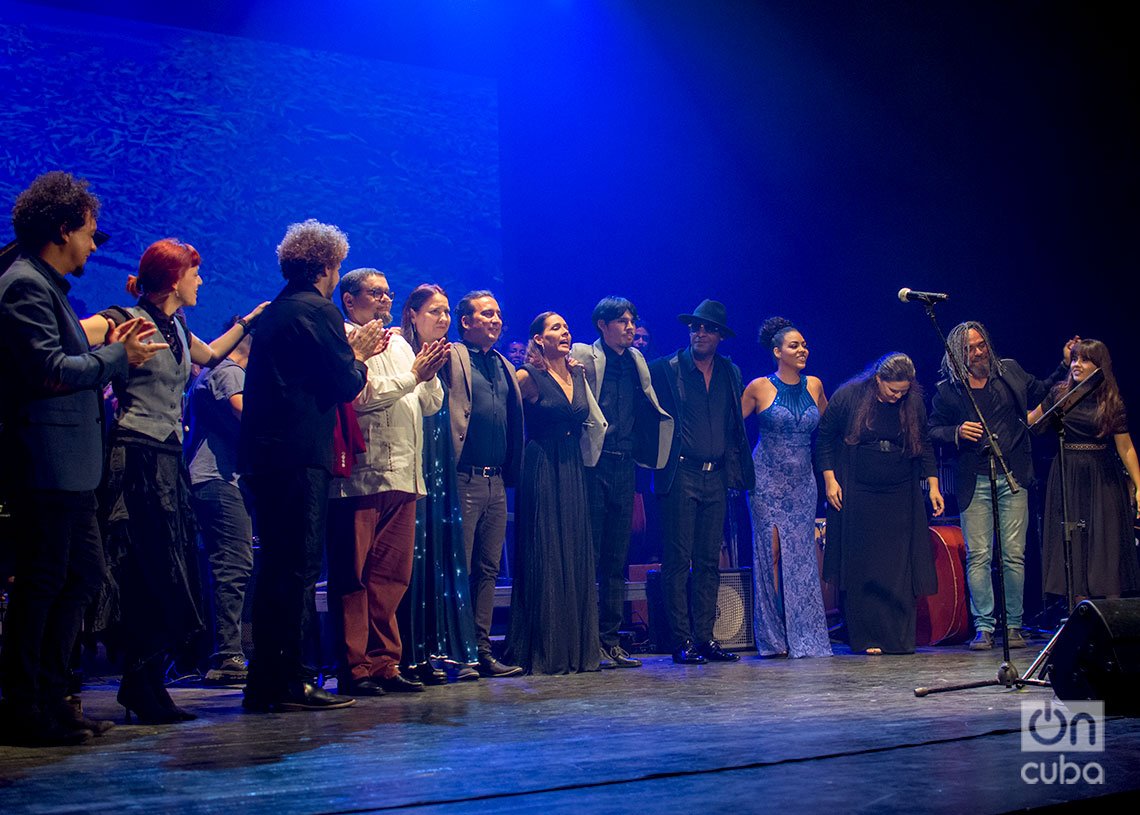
(836,735)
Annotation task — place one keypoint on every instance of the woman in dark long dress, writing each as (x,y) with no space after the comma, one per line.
(1100,492)
(788,612)
(874,454)
(144,502)
(554,599)
(435,617)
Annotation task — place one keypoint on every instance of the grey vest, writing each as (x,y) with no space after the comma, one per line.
(151,401)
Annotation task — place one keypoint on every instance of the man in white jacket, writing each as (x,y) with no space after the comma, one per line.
(372,514)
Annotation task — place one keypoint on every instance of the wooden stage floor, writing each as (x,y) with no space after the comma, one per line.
(837,735)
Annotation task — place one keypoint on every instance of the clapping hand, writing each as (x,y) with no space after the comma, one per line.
(368,340)
(133,334)
(430,359)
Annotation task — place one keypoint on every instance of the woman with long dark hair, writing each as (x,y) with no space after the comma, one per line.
(145,512)
(554,599)
(436,623)
(874,454)
(788,613)
(1101,493)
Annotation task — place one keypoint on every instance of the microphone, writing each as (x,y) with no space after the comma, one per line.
(928,297)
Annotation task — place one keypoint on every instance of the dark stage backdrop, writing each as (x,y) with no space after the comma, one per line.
(223,141)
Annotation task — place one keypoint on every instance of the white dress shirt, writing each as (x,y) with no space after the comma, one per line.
(390,410)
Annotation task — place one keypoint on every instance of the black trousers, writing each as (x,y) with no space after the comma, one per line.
(227,532)
(291,507)
(610,486)
(58,569)
(693,513)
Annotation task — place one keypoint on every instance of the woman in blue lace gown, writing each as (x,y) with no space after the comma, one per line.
(437,625)
(554,596)
(788,613)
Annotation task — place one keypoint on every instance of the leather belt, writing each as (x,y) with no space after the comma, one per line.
(481,472)
(882,446)
(620,455)
(703,466)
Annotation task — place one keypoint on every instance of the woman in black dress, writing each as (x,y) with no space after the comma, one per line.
(554,599)
(874,454)
(1101,493)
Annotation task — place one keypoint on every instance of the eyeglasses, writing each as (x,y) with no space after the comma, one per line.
(378,293)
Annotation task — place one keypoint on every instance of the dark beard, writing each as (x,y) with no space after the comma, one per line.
(79,271)
(980,370)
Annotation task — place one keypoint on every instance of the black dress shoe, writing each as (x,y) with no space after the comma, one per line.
(427,673)
(712,651)
(398,684)
(604,661)
(307,696)
(688,654)
(492,668)
(359,687)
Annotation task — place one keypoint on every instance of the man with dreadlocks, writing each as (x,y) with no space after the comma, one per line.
(1003,392)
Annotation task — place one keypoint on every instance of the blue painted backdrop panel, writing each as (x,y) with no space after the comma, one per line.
(224,141)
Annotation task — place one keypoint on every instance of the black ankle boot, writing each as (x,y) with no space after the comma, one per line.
(143,693)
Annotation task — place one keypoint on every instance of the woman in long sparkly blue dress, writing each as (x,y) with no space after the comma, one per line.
(435,617)
(788,613)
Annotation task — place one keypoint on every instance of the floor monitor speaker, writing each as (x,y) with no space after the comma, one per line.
(1097,655)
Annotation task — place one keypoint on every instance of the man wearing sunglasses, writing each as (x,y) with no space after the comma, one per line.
(701,390)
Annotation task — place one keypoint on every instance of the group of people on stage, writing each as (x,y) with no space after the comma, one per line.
(391,449)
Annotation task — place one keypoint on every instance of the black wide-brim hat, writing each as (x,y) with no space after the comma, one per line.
(711,312)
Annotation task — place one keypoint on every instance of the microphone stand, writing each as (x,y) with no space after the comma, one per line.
(1055,417)
(1007,674)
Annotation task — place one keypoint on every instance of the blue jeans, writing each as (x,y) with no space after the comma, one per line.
(977,528)
(227,532)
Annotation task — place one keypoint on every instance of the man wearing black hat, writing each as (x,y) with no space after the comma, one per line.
(702,390)
(51,443)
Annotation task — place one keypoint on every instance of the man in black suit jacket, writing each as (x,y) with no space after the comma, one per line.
(300,368)
(1005,393)
(701,390)
(52,449)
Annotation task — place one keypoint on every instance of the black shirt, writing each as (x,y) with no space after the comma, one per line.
(617,399)
(486,444)
(705,419)
(996,403)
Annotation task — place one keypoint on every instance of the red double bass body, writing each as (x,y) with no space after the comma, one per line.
(943,618)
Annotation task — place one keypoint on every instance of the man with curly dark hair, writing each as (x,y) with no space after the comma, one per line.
(300,369)
(52,448)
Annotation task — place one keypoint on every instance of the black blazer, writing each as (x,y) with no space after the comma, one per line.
(300,368)
(951,406)
(53,383)
(737,459)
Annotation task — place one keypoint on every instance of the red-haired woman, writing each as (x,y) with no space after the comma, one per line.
(1097,442)
(147,521)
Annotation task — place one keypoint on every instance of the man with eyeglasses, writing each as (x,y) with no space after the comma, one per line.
(372,517)
(1004,393)
(709,456)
